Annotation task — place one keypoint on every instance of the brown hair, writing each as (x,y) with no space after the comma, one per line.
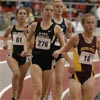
(85,16)
(58,1)
(24,9)
(46,3)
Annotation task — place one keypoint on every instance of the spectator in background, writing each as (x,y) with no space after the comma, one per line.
(36,10)
(8,5)
(65,13)
(1,18)
(77,26)
(81,0)
(92,10)
(30,18)
(98,16)
(92,1)
(26,4)
(7,19)
(13,18)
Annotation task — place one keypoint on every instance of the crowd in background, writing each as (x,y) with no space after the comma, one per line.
(73,9)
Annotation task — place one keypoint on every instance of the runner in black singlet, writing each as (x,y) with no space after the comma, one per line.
(17,59)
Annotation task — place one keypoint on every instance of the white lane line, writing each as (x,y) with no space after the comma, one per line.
(3,62)
(66,65)
(9,86)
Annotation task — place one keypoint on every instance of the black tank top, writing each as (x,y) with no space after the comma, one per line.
(17,38)
(64,30)
(62,25)
(43,40)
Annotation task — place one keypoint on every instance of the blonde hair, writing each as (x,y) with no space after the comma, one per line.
(85,16)
(46,3)
(58,1)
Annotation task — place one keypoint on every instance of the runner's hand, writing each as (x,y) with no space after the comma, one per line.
(56,54)
(5,47)
(71,68)
(23,54)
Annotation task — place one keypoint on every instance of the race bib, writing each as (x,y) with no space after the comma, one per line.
(86,58)
(18,39)
(42,43)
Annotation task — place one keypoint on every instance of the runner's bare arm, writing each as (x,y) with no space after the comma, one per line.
(59,35)
(30,38)
(5,37)
(71,43)
(69,29)
(98,47)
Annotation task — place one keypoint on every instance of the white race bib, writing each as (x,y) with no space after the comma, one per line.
(42,43)
(86,58)
(18,39)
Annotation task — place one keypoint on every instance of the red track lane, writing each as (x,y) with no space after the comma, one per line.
(28,90)
(3,53)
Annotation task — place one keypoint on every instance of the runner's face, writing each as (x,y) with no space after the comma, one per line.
(21,15)
(89,24)
(58,8)
(47,11)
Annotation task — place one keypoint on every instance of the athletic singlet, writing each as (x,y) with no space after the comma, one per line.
(83,55)
(63,28)
(17,39)
(43,40)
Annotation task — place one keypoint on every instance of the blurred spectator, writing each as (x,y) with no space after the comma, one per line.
(13,18)
(69,0)
(92,1)
(81,0)
(81,7)
(36,9)
(1,18)
(88,8)
(77,26)
(65,13)
(98,16)
(8,6)
(26,3)
(92,10)
(31,17)
(74,13)
(36,5)
(7,20)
